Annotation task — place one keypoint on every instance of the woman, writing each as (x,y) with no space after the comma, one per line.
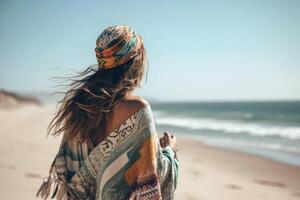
(110,148)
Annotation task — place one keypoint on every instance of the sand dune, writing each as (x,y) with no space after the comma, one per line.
(10,100)
(205,172)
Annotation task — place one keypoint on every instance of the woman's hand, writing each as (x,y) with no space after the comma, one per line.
(168,140)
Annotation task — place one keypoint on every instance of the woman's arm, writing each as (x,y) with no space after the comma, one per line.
(169,165)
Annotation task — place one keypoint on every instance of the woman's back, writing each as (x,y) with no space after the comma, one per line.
(120,112)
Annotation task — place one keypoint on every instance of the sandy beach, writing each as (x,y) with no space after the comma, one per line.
(206,173)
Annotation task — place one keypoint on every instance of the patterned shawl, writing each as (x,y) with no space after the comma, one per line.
(128,164)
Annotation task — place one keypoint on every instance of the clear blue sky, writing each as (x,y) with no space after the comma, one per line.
(198,50)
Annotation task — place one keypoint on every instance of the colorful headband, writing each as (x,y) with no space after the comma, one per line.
(116,45)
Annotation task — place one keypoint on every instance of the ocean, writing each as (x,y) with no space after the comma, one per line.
(265,128)
(269,129)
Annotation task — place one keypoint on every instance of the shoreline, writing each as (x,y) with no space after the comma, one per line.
(260,152)
(205,171)
(231,149)
(209,172)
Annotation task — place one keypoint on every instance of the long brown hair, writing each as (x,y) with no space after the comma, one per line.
(83,111)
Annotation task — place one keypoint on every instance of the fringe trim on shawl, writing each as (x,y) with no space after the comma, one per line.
(60,184)
(54,183)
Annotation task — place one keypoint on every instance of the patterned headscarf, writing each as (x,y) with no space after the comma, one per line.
(116,45)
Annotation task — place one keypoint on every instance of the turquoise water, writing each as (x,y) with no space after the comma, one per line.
(270,129)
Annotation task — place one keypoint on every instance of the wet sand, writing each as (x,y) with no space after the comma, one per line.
(213,173)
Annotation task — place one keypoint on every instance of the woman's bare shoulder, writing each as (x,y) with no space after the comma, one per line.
(129,106)
(133,104)
(136,102)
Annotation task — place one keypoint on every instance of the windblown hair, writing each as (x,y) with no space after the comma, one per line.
(83,112)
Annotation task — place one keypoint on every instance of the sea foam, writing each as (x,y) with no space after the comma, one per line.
(228,126)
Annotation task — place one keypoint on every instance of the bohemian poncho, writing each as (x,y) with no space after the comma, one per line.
(128,164)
